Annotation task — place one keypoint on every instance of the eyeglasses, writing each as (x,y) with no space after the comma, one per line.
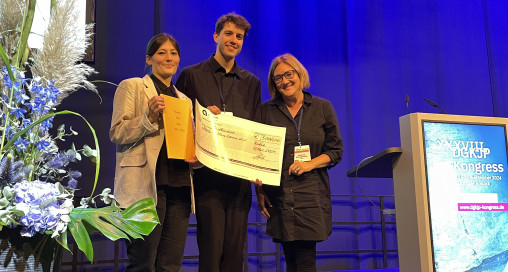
(288,75)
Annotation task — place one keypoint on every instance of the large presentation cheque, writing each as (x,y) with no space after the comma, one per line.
(239,147)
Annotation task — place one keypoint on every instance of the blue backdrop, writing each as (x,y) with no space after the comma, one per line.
(364,56)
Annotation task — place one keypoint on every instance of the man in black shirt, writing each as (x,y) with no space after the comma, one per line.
(223,202)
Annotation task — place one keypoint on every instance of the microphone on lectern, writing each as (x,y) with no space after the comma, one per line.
(407,103)
(434,105)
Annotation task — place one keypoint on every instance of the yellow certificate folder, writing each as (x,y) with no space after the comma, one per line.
(178,128)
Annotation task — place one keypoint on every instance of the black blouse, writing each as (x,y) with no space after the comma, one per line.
(302,204)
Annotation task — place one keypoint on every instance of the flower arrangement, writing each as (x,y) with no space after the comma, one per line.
(37,183)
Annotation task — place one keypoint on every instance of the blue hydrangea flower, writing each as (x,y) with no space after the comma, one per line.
(42,204)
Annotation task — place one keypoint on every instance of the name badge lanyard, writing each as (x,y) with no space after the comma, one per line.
(299,125)
(220,91)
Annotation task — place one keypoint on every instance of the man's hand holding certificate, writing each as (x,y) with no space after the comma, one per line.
(239,147)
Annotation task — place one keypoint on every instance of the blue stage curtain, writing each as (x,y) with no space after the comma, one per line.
(496,33)
(364,56)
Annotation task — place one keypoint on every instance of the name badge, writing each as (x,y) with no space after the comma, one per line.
(302,153)
(230,113)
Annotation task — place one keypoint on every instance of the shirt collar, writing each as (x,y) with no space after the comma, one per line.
(159,83)
(216,67)
(169,90)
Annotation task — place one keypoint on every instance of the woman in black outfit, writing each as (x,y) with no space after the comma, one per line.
(299,211)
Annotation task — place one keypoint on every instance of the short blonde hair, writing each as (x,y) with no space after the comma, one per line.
(293,62)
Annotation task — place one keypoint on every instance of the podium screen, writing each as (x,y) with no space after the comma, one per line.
(467,181)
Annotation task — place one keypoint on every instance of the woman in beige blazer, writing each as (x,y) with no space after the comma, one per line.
(142,167)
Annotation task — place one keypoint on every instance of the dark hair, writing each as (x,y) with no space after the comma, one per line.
(234,18)
(156,41)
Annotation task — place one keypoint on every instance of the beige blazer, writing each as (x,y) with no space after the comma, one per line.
(138,142)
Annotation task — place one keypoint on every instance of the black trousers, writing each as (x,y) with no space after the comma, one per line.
(222,210)
(163,248)
(300,256)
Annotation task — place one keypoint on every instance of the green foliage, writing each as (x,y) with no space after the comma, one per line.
(139,218)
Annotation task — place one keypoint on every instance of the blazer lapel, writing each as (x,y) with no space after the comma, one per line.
(150,90)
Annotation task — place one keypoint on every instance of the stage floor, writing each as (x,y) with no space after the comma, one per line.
(368,270)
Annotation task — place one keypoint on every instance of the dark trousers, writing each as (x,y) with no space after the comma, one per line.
(300,256)
(162,249)
(222,209)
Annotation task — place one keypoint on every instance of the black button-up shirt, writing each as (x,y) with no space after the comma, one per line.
(238,91)
(302,204)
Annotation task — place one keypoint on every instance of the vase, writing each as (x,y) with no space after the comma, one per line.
(37,253)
